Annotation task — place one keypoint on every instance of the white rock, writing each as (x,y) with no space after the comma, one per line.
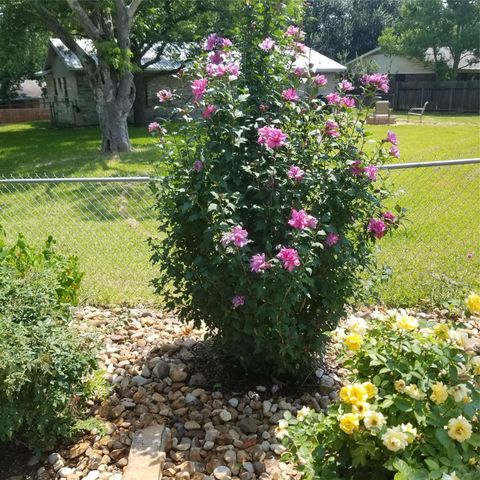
(230,457)
(93,475)
(222,473)
(54,457)
(266,406)
(234,402)
(225,415)
(65,471)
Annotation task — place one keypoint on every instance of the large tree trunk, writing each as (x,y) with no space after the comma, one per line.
(140,104)
(114,127)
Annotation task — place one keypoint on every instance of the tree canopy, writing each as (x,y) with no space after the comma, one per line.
(449,28)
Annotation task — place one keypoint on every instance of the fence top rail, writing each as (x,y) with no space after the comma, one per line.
(392,166)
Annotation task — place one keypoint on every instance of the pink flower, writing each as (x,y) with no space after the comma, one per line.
(226,42)
(296,173)
(356,169)
(258,263)
(348,102)
(333,98)
(394,151)
(198,88)
(153,127)
(234,70)
(164,95)
(267,44)
(320,80)
(295,32)
(331,128)
(391,138)
(238,301)
(299,72)
(389,217)
(216,57)
(271,137)
(377,228)
(212,42)
(238,236)
(197,165)
(291,95)
(300,47)
(332,239)
(209,111)
(289,257)
(377,80)
(301,220)
(371,172)
(345,86)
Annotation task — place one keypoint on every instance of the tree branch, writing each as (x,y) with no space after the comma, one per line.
(132,9)
(85,21)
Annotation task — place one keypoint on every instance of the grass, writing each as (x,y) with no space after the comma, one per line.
(107,225)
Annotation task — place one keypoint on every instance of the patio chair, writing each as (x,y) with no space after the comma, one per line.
(418,111)
(381,114)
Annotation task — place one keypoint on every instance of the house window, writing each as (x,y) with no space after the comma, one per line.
(65,87)
(55,86)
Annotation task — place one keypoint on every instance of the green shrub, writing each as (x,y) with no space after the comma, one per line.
(271,201)
(410,413)
(43,359)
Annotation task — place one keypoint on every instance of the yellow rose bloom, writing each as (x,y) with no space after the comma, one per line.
(394,439)
(400,386)
(459,429)
(353,394)
(371,389)
(353,341)
(459,392)
(349,423)
(442,331)
(473,303)
(410,431)
(373,420)
(414,392)
(476,365)
(439,393)
(407,322)
(360,409)
(302,413)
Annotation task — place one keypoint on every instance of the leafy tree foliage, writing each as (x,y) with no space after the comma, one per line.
(343,29)
(453,25)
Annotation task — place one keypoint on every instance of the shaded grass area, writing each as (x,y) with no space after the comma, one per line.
(434,257)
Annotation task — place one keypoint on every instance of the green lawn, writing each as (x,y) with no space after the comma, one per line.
(107,224)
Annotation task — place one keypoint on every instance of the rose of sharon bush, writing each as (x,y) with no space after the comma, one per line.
(410,410)
(271,214)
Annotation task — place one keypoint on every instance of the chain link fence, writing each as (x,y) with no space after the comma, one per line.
(432,258)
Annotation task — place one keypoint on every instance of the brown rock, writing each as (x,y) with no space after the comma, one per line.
(77,450)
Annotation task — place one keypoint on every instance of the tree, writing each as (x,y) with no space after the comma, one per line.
(436,25)
(343,29)
(19,34)
(107,23)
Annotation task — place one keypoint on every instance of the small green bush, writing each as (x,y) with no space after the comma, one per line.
(410,413)
(42,358)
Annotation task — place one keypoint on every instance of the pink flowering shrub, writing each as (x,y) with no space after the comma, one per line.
(269,229)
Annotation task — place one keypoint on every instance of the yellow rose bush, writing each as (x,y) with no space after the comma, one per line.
(410,409)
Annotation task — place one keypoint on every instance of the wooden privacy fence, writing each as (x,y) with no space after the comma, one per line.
(16,115)
(448,96)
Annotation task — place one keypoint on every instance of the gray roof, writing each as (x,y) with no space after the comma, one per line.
(319,63)
(172,58)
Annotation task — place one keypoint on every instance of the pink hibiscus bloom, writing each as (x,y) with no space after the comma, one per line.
(320,80)
(301,220)
(289,257)
(271,137)
(391,138)
(356,169)
(234,70)
(267,44)
(291,95)
(238,301)
(333,98)
(295,32)
(198,88)
(345,86)
(371,172)
(332,239)
(377,80)
(212,41)
(296,173)
(394,151)
(331,128)
(389,217)
(299,72)
(377,228)
(153,127)
(237,235)
(164,96)
(197,165)
(216,58)
(258,263)
(209,111)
